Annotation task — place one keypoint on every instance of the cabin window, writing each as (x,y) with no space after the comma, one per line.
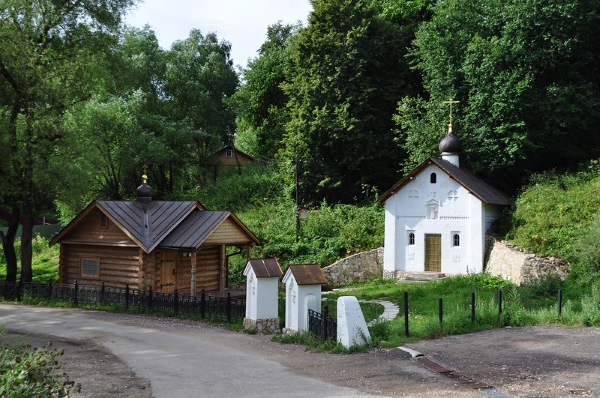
(456,240)
(433,178)
(411,238)
(229,153)
(103,221)
(89,267)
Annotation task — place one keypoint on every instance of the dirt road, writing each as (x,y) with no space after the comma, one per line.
(118,355)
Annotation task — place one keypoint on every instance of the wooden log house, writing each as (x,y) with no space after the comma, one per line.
(167,245)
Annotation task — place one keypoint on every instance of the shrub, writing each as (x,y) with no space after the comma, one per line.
(28,372)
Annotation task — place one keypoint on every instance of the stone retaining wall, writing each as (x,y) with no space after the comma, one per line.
(516,265)
(361,267)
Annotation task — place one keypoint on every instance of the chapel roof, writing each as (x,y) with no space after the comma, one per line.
(306,274)
(481,189)
(265,267)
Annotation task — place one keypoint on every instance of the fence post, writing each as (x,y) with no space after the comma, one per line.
(102,292)
(75,293)
(441,306)
(202,304)
(324,319)
(473,307)
(560,300)
(228,308)
(150,292)
(49,289)
(499,302)
(126,296)
(20,290)
(176,303)
(406,314)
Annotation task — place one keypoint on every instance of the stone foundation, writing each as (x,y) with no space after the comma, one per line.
(361,267)
(516,265)
(262,325)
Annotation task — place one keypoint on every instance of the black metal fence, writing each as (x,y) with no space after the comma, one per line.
(322,326)
(205,306)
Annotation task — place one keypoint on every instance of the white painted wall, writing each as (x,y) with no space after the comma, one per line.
(298,300)
(458,212)
(261,296)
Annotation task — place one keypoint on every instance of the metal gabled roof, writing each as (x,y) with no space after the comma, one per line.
(147,224)
(194,230)
(306,274)
(265,267)
(181,225)
(481,189)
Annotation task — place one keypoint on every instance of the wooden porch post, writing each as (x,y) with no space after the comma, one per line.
(222,268)
(193,287)
(249,252)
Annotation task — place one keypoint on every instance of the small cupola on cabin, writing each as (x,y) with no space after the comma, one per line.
(144,191)
(450,145)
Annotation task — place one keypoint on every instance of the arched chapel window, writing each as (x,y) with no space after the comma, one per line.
(433,178)
(456,240)
(411,238)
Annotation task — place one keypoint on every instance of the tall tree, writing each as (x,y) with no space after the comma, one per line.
(261,101)
(200,80)
(349,73)
(526,75)
(49,52)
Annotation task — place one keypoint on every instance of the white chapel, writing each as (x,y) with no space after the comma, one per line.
(436,217)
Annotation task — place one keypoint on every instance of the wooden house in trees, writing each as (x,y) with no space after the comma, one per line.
(144,243)
(230,157)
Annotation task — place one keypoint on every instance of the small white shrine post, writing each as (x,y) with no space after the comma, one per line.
(262,283)
(302,293)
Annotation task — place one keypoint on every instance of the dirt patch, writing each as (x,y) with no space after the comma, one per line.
(97,371)
(524,362)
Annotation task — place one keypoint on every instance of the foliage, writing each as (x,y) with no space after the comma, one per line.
(28,372)
(254,186)
(261,101)
(586,254)
(523,71)
(556,210)
(52,55)
(44,261)
(349,72)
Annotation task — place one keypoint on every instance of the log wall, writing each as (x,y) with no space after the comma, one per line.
(118,266)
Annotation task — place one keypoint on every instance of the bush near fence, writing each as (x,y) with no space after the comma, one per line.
(205,306)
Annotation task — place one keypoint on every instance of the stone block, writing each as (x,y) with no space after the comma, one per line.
(351,326)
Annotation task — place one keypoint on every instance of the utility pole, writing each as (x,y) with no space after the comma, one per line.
(297,202)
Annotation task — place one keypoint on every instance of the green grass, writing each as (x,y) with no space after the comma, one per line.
(534,304)
(44,260)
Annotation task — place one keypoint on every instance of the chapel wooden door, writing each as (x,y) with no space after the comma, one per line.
(168,273)
(433,253)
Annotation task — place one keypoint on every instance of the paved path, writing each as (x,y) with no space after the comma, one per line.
(200,361)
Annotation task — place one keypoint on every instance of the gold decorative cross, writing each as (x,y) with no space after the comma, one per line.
(145,176)
(451,101)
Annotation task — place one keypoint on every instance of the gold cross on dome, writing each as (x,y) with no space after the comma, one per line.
(451,101)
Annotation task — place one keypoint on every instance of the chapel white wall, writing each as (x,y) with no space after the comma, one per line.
(462,213)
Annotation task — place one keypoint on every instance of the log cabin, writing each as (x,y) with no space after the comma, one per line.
(144,243)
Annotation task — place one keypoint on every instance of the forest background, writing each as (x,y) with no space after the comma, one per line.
(354,99)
